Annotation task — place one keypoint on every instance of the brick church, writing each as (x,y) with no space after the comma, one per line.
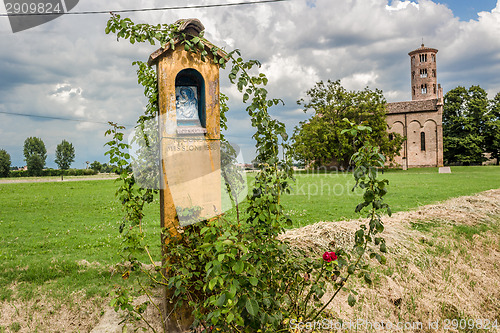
(420,120)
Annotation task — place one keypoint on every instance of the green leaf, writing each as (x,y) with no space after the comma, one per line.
(351,300)
(212,283)
(383,248)
(361,206)
(253,280)
(252,307)
(238,267)
(221,300)
(232,290)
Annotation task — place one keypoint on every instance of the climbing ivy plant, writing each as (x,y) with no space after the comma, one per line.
(236,275)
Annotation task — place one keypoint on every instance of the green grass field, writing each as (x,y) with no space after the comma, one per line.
(329,197)
(47,228)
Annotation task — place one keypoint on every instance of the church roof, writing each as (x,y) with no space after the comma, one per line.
(412,106)
(422,49)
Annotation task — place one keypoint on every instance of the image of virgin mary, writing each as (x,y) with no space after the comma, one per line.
(186,103)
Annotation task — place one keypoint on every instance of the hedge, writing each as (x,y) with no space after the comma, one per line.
(54,172)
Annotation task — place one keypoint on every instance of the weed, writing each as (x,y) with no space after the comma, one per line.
(443,249)
(15,327)
(424,226)
(455,320)
(468,231)
(447,273)
(6,294)
(472,284)
(424,262)
(388,270)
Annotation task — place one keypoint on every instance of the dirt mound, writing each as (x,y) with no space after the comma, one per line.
(443,265)
(323,236)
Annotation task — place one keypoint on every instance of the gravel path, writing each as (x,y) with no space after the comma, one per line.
(55,179)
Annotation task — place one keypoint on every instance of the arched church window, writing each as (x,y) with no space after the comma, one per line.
(424,88)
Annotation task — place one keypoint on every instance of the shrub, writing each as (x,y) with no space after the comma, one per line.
(4,163)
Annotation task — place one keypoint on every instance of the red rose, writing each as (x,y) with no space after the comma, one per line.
(329,256)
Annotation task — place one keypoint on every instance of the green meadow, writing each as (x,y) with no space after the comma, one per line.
(48,229)
(329,196)
(61,237)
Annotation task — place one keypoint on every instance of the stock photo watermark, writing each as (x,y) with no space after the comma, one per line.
(331,182)
(364,325)
(27,14)
(202,175)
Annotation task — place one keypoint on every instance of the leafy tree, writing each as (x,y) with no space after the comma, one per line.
(106,168)
(65,155)
(320,140)
(97,166)
(492,138)
(35,155)
(4,163)
(465,119)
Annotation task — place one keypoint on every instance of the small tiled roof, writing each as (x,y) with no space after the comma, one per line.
(412,106)
(191,27)
(421,49)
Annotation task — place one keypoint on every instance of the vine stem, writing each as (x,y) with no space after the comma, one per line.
(310,290)
(154,304)
(348,274)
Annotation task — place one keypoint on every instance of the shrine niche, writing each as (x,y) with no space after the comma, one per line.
(189,128)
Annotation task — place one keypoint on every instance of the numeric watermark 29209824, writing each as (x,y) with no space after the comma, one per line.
(26,14)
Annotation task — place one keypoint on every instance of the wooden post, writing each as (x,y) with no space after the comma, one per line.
(189,127)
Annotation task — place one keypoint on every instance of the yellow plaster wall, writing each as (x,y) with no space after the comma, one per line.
(193,169)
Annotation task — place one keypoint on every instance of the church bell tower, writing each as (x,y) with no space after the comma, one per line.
(423,73)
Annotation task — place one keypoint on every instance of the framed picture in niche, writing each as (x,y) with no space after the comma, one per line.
(187,105)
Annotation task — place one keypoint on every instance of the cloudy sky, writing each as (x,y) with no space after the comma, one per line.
(69,68)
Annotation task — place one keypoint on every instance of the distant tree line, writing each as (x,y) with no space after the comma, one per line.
(35,156)
(101,167)
(471,126)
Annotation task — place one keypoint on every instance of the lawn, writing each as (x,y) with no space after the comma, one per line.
(48,228)
(329,197)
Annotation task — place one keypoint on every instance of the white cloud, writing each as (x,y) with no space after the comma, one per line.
(358,81)
(70,68)
(400,5)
